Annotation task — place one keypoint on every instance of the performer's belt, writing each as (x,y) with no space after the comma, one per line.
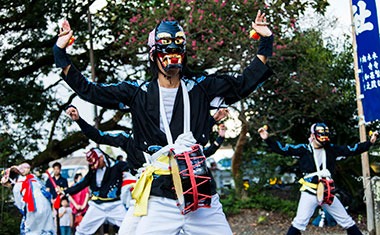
(103,199)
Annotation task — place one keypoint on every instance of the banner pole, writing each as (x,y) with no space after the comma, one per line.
(363,136)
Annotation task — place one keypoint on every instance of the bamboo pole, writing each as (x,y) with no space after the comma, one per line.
(363,136)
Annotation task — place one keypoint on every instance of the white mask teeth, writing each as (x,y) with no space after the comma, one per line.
(167,59)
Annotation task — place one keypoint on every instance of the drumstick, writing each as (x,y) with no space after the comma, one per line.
(57,202)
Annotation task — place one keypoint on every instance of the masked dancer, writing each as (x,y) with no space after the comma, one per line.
(105,179)
(171,115)
(317,164)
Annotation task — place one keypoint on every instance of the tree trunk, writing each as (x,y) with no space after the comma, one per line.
(238,154)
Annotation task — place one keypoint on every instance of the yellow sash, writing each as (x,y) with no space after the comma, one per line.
(94,198)
(143,185)
(307,185)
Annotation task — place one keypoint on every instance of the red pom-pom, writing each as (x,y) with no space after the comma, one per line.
(253,34)
(71,41)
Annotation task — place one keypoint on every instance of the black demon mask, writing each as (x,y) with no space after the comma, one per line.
(321,132)
(170,44)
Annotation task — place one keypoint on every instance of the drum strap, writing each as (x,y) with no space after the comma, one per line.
(186,113)
(186,128)
(176,179)
(324,168)
(306,185)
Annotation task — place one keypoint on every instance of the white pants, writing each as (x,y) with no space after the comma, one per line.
(164,218)
(97,214)
(130,222)
(306,208)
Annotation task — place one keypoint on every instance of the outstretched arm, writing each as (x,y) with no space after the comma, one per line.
(233,89)
(94,134)
(112,96)
(278,147)
(357,148)
(101,137)
(76,187)
(266,37)
(64,36)
(121,140)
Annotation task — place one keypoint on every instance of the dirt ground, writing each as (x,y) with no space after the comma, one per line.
(259,222)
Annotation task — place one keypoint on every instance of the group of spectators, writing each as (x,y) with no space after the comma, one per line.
(72,208)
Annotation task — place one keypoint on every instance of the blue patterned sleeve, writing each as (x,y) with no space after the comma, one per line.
(111,96)
(287,149)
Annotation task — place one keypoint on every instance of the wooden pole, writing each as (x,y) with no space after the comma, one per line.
(376,201)
(363,136)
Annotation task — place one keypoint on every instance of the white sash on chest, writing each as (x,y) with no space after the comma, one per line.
(185,140)
(324,173)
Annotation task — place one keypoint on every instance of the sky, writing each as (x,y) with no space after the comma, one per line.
(341,9)
(337,8)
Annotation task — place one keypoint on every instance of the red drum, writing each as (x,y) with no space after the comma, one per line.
(325,191)
(196,182)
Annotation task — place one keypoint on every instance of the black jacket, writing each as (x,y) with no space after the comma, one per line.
(110,187)
(143,100)
(210,150)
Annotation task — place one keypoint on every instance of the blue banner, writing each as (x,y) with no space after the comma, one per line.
(366,20)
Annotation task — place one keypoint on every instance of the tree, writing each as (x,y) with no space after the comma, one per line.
(313,83)
(217,39)
(32,124)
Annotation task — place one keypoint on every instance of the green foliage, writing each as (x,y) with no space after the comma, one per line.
(231,203)
(10,218)
(9,223)
(259,199)
(6,149)
(311,84)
